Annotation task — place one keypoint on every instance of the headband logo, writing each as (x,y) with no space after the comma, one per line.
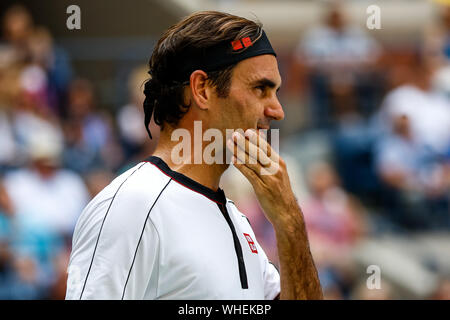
(240,43)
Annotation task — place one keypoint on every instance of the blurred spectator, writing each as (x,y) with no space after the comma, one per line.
(89,133)
(401,161)
(130,119)
(18,277)
(428,111)
(332,216)
(415,175)
(56,63)
(339,58)
(29,45)
(31,113)
(17,25)
(335,221)
(44,192)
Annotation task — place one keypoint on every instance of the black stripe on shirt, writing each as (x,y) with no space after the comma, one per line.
(101,227)
(140,238)
(237,247)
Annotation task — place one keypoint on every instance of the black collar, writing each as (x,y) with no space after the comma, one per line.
(216,196)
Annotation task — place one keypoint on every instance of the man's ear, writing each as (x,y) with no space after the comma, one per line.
(200,89)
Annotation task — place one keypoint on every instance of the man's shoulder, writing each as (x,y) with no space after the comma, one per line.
(138,182)
(127,198)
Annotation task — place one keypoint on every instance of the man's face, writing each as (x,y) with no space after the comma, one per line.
(252,101)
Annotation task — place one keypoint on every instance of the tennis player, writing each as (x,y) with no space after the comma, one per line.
(164,229)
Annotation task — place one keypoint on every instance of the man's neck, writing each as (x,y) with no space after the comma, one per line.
(203,173)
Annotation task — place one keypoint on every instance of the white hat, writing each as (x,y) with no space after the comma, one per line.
(45,145)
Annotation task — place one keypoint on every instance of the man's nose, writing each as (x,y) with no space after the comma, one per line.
(274,110)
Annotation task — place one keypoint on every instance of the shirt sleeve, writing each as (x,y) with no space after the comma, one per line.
(271,276)
(115,252)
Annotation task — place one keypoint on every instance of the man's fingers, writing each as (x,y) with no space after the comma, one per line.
(267,157)
(241,156)
(262,155)
(261,142)
(244,145)
(249,144)
(247,151)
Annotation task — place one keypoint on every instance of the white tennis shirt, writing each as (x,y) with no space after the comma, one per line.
(154,233)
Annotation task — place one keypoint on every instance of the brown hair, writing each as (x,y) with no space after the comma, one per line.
(197,32)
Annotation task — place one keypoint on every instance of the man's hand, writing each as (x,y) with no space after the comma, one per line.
(267,173)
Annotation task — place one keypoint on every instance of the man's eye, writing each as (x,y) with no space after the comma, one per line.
(261,88)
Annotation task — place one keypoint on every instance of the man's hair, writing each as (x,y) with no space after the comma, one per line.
(197,32)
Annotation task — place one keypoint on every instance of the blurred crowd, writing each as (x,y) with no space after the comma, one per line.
(380,115)
(58,150)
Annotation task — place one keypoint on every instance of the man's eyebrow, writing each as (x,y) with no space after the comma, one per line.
(266,83)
